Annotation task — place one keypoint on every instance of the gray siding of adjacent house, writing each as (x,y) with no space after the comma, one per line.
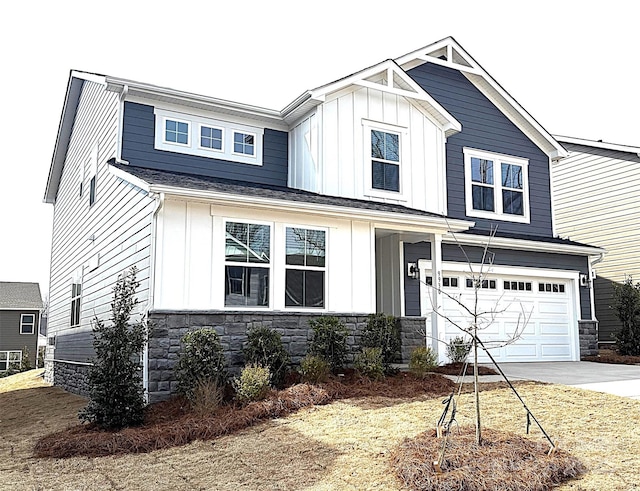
(10,337)
(597,201)
(503,257)
(117,229)
(484,127)
(138,149)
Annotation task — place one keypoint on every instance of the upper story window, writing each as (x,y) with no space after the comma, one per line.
(496,186)
(247,264)
(207,137)
(211,138)
(176,131)
(76,295)
(385,160)
(27,323)
(305,267)
(93,175)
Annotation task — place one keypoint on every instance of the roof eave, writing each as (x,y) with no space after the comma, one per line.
(598,144)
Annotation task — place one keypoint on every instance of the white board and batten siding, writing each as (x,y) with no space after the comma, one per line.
(191,251)
(96,243)
(334,140)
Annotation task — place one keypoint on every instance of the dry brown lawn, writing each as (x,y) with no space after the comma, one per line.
(345,445)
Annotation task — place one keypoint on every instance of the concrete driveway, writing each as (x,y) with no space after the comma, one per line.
(621,380)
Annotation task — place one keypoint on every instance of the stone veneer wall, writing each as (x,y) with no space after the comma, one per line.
(72,377)
(588,331)
(166,328)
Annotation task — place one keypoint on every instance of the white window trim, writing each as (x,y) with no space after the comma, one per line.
(23,324)
(403,164)
(259,265)
(233,141)
(498,159)
(193,147)
(208,149)
(8,354)
(177,119)
(324,268)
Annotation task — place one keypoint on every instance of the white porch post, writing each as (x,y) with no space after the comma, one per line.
(436,291)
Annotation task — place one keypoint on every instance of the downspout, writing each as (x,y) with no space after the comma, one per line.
(123,96)
(592,277)
(159,203)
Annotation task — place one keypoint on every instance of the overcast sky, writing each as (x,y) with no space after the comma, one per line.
(573,65)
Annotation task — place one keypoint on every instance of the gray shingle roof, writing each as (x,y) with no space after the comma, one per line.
(18,295)
(204,183)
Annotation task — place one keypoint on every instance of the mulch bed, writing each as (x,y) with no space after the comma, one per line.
(172,423)
(503,461)
(610,356)
(456,369)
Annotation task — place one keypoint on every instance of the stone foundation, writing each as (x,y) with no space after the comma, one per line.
(72,377)
(166,328)
(588,331)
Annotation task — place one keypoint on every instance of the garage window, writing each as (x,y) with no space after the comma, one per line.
(551,287)
(484,284)
(522,286)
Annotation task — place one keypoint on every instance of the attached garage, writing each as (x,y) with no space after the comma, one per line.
(545,302)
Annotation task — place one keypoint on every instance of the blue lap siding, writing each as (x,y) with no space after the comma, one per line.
(503,257)
(485,127)
(138,149)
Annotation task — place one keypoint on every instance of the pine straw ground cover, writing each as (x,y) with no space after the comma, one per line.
(611,356)
(345,445)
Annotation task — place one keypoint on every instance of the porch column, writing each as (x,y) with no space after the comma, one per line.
(436,291)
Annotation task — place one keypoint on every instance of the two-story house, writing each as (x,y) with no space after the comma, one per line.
(20,308)
(353,199)
(596,193)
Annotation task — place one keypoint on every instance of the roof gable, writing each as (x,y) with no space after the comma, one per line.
(20,296)
(449,53)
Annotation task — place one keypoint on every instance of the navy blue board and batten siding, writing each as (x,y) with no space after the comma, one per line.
(485,127)
(503,257)
(138,138)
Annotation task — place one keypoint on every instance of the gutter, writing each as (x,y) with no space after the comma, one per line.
(592,277)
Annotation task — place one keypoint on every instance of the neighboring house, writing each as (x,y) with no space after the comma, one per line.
(597,200)
(238,216)
(20,307)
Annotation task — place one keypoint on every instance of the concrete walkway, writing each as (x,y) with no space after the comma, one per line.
(621,380)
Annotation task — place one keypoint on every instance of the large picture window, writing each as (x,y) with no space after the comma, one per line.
(247,264)
(305,271)
(496,186)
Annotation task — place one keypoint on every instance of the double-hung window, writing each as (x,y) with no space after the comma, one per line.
(305,267)
(496,186)
(385,160)
(247,264)
(27,323)
(10,360)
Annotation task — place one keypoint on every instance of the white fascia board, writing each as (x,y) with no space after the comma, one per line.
(598,144)
(382,218)
(125,176)
(523,245)
(187,98)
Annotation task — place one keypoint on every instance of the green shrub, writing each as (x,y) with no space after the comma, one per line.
(329,341)
(458,349)
(423,360)
(383,332)
(41,353)
(264,348)
(201,361)
(253,383)
(314,369)
(115,379)
(369,363)
(626,304)
(25,363)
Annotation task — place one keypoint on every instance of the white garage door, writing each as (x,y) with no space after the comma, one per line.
(508,300)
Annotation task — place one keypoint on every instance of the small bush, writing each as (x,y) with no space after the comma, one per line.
(626,304)
(253,383)
(423,360)
(264,348)
(206,397)
(369,363)
(458,349)
(383,332)
(201,361)
(25,363)
(314,369)
(41,353)
(329,341)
